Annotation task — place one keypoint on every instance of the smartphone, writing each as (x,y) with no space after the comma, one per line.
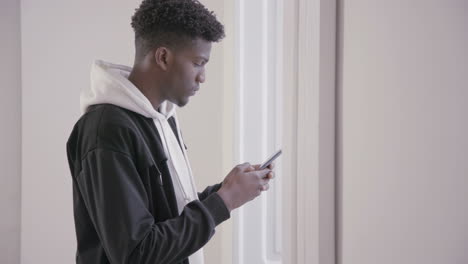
(270,160)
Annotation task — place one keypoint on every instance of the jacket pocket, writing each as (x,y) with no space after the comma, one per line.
(158,202)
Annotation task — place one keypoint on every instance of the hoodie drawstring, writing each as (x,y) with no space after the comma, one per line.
(165,135)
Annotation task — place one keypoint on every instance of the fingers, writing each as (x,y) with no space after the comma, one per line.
(265,187)
(271,166)
(263,174)
(270,175)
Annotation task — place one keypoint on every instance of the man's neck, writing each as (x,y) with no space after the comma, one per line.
(147,86)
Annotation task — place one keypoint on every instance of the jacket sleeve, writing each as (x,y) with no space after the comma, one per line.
(208,191)
(117,204)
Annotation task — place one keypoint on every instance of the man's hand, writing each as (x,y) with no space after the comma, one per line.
(244,183)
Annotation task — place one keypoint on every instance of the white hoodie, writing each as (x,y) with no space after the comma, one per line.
(110,84)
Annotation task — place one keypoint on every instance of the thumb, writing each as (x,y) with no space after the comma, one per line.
(256,166)
(246,167)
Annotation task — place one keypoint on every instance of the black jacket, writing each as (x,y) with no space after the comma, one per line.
(123,197)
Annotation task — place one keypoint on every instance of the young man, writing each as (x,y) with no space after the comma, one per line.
(134,194)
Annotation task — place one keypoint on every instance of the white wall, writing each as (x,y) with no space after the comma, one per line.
(60,40)
(10,131)
(403,132)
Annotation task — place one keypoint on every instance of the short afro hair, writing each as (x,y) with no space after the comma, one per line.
(173,23)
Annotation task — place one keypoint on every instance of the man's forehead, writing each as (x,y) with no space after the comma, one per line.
(200,48)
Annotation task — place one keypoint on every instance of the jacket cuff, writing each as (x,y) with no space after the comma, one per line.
(217,208)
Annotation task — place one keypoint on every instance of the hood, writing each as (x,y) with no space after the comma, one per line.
(110,85)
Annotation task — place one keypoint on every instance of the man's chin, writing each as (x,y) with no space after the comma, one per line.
(180,102)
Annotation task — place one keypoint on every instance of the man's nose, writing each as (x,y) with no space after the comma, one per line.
(201,77)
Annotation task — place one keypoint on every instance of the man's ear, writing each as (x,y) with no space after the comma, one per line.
(163,57)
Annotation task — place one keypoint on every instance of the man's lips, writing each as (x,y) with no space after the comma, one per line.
(195,90)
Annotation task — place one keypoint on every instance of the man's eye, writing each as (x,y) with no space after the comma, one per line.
(201,63)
